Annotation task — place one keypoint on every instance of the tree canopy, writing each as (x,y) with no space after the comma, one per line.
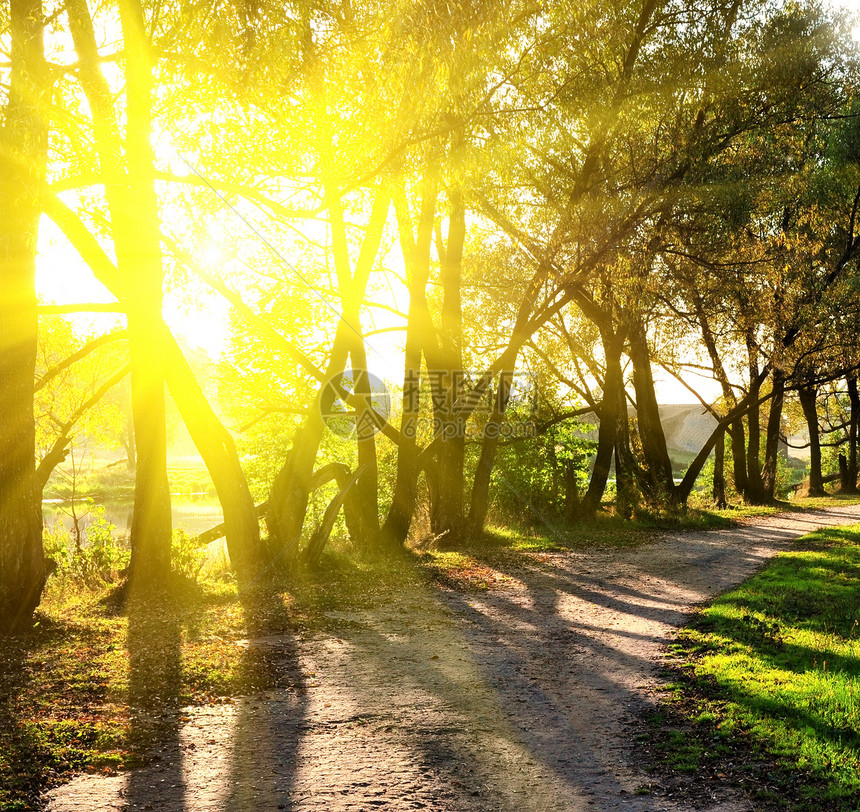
(452,247)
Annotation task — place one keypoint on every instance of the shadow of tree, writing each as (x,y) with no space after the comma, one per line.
(208,755)
(26,764)
(266,734)
(154,691)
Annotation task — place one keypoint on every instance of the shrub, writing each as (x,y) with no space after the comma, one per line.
(186,555)
(100,558)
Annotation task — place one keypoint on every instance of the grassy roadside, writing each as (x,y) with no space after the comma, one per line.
(798,504)
(68,695)
(767,683)
(90,690)
(475,566)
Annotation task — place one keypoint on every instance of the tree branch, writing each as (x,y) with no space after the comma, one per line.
(83,352)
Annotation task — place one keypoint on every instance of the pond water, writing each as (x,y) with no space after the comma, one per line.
(194,513)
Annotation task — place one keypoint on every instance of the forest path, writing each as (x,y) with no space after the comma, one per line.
(523,697)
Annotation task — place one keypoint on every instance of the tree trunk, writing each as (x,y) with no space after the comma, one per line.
(351,287)
(719,486)
(736,430)
(447,515)
(321,535)
(367,485)
(135,227)
(657,463)
(613,385)
(128,434)
(288,498)
(572,498)
(137,236)
(844,477)
(756,493)
(420,337)
(854,425)
(739,464)
(151,524)
(747,403)
(216,447)
(774,424)
(23,160)
(627,471)
(807,395)
(480,499)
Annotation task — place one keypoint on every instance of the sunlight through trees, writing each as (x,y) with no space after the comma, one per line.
(515,216)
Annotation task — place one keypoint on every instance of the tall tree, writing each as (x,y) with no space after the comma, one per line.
(126,169)
(23,166)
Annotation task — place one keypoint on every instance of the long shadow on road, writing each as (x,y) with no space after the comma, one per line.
(200,759)
(520,698)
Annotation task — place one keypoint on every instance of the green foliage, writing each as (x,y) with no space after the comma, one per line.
(58,401)
(102,557)
(788,475)
(704,488)
(98,559)
(57,545)
(830,459)
(529,478)
(187,557)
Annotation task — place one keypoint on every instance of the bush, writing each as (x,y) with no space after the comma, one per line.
(57,544)
(186,555)
(103,556)
(530,476)
(99,559)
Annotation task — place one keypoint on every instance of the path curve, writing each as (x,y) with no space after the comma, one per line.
(521,698)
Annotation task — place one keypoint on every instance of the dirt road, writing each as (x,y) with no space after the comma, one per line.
(523,697)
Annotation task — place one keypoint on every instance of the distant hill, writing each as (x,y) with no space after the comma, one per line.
(687,427)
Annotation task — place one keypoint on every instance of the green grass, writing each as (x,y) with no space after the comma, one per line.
(798,504)
(605,530)
(773,668)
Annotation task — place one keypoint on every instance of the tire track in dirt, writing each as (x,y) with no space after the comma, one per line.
(525,697)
